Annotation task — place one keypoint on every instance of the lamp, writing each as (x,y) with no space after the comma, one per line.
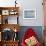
(15,3)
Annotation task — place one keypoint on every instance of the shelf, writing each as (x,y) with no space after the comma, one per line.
(5,12)
(11,15)
(10,26)
(9,10)
(5,8)
(6,24)
(11,41)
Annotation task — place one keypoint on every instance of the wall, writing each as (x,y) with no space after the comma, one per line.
(36,29)
(27,4)
(32,4)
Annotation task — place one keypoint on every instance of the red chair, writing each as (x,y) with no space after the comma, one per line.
(29,33)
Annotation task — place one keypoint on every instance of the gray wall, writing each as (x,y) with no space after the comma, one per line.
(37,29)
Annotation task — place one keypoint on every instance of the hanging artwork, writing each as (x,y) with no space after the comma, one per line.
(5,12)
(29,14)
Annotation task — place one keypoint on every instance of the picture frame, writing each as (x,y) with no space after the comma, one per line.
(12,12)
(29,14)
(5,12)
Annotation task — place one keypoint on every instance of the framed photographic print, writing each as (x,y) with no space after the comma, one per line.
(29,14)
(5,12)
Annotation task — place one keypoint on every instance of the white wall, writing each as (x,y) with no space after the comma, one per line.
(27,4)
(33,4)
